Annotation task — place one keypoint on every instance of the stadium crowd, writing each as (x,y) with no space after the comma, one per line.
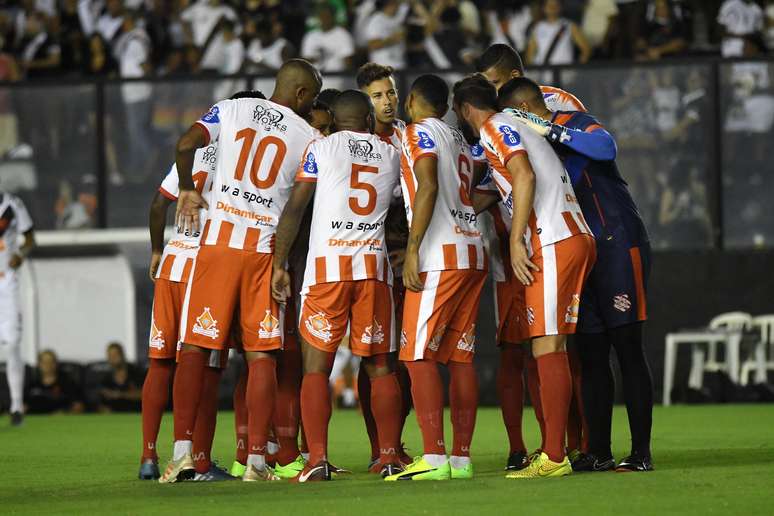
(139,38)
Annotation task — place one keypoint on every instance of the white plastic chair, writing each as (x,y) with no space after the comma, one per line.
(758,362)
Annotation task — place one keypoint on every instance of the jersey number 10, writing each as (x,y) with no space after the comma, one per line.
(248,137)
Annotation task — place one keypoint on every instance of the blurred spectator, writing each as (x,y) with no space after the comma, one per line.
(449,45)
(386,35)
(330,47)
(121,388)
(226,52)
(553,37)
(71,38)
(510,22)
(110,22)
(9,71)
(770,25)
(77,210)
(202,17)
(627,28)
(98,60)
(40,52)
(742,24)
(52,390)
(665,32)
(597,19)
(132,50)
(268,50)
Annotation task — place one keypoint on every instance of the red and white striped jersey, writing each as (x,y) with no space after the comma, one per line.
(559,100)
(452,240)
(260,145)
(355,175)
(556,214)
(180,251)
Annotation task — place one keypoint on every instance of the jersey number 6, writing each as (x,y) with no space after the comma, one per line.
(248,135)
(356,184)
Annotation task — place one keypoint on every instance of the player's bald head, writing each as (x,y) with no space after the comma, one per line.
(520,91)
(297,84)
(352,109)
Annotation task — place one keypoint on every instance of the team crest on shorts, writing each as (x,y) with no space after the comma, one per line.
(269,327)
(468,340)
(435,341)
(319,326)
(156,338)
(373,334)
(622,303)
(530,315)
(206,325)
(572,311)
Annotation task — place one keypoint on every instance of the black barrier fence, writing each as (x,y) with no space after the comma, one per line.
(693,138)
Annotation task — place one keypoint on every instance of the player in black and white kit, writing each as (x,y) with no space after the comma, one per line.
(14,221)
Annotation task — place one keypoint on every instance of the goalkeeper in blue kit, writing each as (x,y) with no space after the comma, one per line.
(613,303)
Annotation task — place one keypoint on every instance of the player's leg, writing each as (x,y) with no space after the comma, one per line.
(10,339)
(510,390)
(287,413)
(364,395)
(533,386)
(206,421)
(206,321)
(577,427)
(240,424)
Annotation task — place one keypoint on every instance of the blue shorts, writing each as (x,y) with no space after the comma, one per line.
(615,293)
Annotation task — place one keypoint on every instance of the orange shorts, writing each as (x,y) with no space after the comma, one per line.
(510,309)
(439,322)
(365,306)
(553,299)
(227,284)
(168,299)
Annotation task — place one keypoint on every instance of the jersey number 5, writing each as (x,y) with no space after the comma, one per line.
(248,135)
(356,184)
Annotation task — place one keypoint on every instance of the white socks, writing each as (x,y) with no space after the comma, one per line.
(272,448)
(435,461)
(15,373)
(259,461)
(182,448)
(459,462)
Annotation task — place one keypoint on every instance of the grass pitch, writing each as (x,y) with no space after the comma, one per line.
(708,459)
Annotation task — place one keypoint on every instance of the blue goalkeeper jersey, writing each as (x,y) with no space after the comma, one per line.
(601,191)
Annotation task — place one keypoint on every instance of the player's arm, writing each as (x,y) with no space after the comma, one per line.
(523,184)
(426,172)
(24,250)
(581,42)
(482,201)
(189,201)
(157,219)
(287,230)
(597,144)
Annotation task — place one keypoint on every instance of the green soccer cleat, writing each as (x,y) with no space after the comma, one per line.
(543,467)
(421,470)
(290,470)
(465,473)
(237,469)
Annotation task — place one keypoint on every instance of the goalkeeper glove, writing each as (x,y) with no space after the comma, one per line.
(554,132)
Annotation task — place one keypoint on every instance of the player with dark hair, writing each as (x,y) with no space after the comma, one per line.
(551,252)
(347,279)
(321,117)
(613,304)
(444,273)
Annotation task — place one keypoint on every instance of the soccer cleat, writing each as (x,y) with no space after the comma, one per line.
(590,462)
(635,462)
(404,457)
(388,470)
(543,467)
(178,470)
(374,466)
(534,455)
(419,469)
(264,474)
(335,470)
(17,418)
(237,469)
(149,470)
(290,470)
(465,473)
(574,455)
(214,474)
(320,472)
(516,461)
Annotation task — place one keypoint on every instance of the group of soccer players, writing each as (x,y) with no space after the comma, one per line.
(405,285)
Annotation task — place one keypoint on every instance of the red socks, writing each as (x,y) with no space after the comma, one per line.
(186,392)
(510,388)
(316,414)
(427,393)
(463,401)
(555,392)
(364,394)
(261,393)
(577,428)
(533,385)
(155,396)
(206,418)
(287,411)
(386,405)
(240,417)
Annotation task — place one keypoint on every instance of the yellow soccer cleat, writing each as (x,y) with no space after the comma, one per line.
(178,470)
(543,467)
(265,474)
(420,469)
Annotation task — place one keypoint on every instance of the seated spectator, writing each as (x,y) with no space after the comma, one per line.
(386,35)
(201,18)
(597,20)
(40,52)
(268,50)
(741,22)
(121,388)
(50,389)
(331,46)
(554,38)
(665,32)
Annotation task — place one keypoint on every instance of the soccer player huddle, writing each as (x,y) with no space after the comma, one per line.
(393,256)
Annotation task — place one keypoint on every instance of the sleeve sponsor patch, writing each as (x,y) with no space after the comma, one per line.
(211,117)
(511,137)
(310,165)
(477,150)
(424,140)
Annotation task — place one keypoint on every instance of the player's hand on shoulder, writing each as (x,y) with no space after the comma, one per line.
(189,202)
(154,265)
(520,262)
(15,261)
(411,272)
(280,285)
